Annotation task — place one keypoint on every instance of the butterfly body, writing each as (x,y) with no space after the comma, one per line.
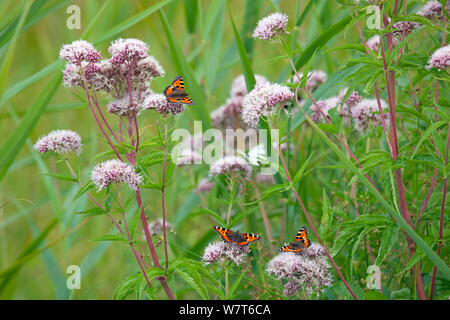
(300,243)
(236,237)
(175,92)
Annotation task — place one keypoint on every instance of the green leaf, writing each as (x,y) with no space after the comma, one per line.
(387,241)
(126,287)
(61,177)
(84,189)
(96,211)
(327,215)
(237,282)
(299,175)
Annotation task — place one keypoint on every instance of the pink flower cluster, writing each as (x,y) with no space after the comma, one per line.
(160,104)
(440,59)
(115,171)
(308,269)
(433,10)
(270,26)
(59,141)
(261,101)
(227,115)
(221,252)
(130,67)
(231,166)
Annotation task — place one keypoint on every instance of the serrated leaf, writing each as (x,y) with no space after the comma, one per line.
(387,241)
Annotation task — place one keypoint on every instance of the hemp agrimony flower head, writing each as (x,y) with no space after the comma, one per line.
(403,28)
(115,171)
(221,252)
(433,10)
(159,103)
(440,59)
(262,100)
(270,26)
(204,185)
(78,51)
(366,113)
(239,87)
(227,115)
(307,270)
(231,166)
(124,107)
(127,51)
(353,99)
(59,141)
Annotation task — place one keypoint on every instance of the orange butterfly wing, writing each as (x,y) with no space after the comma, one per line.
(175,92)
(186,100)
(247,238)
(224,232)
(300,243)
(178,83)
(237,238)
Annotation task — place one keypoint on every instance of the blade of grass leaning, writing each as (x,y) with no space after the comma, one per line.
(13,144)
(8,56)
(245,61)
(178,57)
(438,262)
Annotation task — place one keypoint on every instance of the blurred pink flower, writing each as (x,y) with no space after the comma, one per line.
(205,185)
(231,166)
(315,79)
(353,99)
(440,59)
(366,112)
(156,226)
(188,156)
(323,106)
(433,10)
(59,141)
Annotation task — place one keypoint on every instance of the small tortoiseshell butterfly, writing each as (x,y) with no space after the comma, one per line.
(176,93)
(301,242)
(236,237)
